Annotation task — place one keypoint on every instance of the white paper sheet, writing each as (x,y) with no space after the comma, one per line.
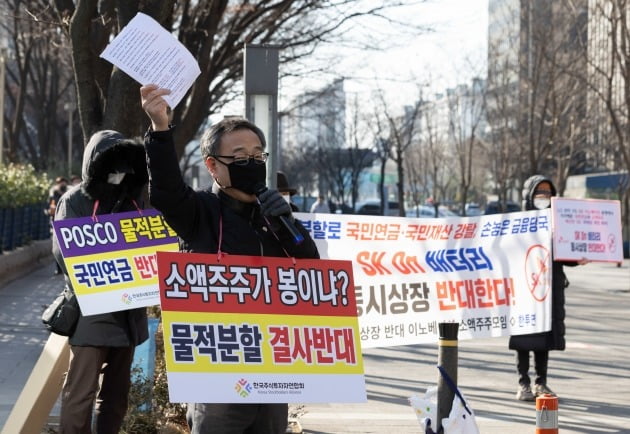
(151,55)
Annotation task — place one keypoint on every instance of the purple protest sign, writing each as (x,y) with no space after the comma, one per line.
(110,259)
(108,232)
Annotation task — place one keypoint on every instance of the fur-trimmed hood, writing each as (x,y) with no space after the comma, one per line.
(107,152)
(530,186)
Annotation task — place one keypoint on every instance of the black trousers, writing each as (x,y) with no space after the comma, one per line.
(541,360)
(237,418)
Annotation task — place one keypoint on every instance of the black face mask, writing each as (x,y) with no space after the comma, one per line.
(247,177)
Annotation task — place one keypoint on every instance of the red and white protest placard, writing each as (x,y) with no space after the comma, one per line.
(251,329)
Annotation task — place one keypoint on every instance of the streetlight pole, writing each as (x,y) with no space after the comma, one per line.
(261,98)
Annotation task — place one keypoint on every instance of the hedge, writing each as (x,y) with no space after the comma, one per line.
(23,205)
(20,185)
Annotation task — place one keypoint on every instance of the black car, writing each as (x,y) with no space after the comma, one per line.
(373,207)
(496,207)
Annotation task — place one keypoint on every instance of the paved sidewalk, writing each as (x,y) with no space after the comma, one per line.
(592,376)
(21,261)
(22,334)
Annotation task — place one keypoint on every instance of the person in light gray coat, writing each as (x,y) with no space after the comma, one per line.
(114,177)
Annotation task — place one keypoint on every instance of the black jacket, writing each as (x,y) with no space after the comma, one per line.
(553,339)
(106,151)
(201,217)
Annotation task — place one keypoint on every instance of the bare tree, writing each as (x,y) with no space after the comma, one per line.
(607,77)
(609,73)
(437,160)
(383,151)
(535,106)
(39,82)
(553,100)
(466,107)
(402,131)
(316,121)
(341,157)
(297,164)
(501,146)
(214,31)
(361,156)
(417,181)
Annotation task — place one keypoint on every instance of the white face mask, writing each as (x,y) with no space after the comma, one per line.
(115,178)
(287,197)
(542,202)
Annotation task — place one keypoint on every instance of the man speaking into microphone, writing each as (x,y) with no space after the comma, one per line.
(238,215)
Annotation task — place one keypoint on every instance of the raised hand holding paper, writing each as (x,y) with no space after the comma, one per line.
(149,54)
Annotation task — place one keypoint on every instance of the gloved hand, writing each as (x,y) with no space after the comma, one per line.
(272,204)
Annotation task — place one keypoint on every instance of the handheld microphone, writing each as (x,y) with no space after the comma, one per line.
(288,225)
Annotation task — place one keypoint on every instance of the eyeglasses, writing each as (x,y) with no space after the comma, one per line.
(242,160)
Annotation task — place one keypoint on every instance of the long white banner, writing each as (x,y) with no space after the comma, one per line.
(491,274)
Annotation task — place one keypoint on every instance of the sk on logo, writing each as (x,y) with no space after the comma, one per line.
(243,388)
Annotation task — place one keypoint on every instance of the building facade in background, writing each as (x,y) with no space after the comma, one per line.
(605,28)
(536,97)
(315,120)
(450,124)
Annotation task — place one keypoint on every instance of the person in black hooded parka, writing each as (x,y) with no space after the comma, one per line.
(114,176)
(537,193)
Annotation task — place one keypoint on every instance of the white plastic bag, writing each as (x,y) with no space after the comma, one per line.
(425,407)
(461,419)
